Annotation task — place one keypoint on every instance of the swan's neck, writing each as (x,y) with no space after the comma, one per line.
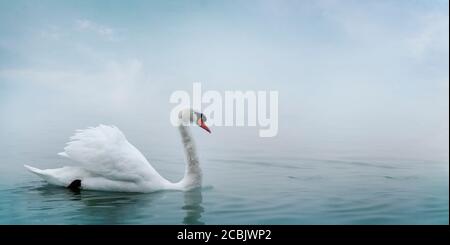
(193,174)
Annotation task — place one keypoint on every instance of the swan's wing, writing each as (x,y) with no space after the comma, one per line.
(105,151)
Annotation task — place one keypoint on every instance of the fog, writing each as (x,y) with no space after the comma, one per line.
(355,79)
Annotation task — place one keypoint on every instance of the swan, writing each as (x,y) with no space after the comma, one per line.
(108,162)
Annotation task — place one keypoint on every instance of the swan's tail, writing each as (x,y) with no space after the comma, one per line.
(45,175)
(34,170)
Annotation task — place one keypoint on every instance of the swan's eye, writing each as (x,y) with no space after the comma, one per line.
(203,117)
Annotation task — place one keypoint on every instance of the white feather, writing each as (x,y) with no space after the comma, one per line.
(105,151)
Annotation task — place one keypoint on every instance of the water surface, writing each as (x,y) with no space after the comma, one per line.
(242,187)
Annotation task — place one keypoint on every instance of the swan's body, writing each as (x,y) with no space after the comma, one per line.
(108,162)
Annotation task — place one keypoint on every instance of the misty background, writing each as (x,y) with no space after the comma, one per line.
(356,79)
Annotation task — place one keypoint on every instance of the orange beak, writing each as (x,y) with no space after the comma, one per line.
(203,125)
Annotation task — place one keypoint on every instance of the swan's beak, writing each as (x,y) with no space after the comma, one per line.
(203,125)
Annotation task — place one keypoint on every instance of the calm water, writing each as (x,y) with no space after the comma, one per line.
(240,187)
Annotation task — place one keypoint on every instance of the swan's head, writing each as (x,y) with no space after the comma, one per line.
(189,116)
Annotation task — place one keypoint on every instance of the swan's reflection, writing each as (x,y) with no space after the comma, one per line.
(192,205)
(116,208)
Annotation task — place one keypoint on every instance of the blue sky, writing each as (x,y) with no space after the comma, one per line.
(349,73)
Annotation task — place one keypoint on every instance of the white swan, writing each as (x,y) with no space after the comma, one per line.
(108,162)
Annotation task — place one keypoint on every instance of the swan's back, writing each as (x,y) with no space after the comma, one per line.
(105,151)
